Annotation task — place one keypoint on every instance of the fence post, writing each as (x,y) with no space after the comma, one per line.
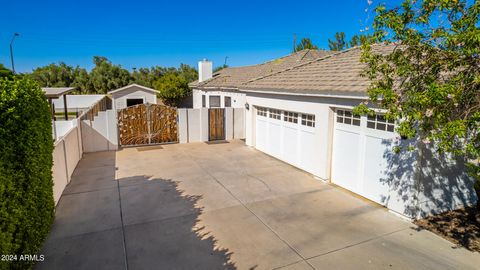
(147,110)
(65,159)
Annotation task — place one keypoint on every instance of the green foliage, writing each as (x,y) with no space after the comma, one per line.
(431,79)
(144,77)
(306,43)
(106,76)
(81,81)
(173,88)
(53,75)
(26,187)
(189,73)
(339,43)
(355,41)
(5,72)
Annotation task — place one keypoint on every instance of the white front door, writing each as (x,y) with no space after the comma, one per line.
(288,136)
(362,149)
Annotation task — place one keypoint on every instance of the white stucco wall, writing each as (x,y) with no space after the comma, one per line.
(120,98)
(238,99)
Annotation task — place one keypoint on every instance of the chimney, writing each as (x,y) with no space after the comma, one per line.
(204,70)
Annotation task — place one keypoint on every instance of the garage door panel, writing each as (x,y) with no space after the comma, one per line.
(261,132)
(290,147)
(281,134)
(375,180)
(361,157)
(345,164)
(274,140)
(309,157)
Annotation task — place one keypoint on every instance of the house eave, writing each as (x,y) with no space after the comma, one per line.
(328,94)
(217,88)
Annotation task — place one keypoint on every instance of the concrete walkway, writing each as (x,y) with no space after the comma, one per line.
(227,206)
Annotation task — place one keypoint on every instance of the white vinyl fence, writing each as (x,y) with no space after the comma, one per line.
(193,124)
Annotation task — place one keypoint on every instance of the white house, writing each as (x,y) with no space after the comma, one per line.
(133,94)
(303,116)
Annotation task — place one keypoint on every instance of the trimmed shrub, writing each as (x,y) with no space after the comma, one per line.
(26,185)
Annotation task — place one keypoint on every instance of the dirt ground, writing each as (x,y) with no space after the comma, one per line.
(461,227)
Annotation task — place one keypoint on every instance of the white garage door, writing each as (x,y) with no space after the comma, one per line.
(362,147)
(288,136)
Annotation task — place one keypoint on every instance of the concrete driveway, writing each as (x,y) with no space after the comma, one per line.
(227,206)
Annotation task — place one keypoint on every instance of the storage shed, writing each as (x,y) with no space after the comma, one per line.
(133,94)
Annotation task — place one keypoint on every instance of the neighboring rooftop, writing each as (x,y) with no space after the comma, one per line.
(56,92)
(233,77)
(133,85)
(335,73)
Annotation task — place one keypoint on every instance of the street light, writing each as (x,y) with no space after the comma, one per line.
(11,51)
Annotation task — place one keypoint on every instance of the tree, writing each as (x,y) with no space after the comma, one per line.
(81,81)
(338,43)
(105,76)
(173,88)
(430,81)
(355,41)
(143,76)
(53,75)
(189,73)
(305,43)
(5,72)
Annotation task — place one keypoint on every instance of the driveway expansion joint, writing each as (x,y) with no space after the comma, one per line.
(356,244)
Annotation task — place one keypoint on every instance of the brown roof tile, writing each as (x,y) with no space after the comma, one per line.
(335,73)
(236,76)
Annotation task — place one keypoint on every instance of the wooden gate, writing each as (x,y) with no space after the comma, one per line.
(216,124)
(145,124)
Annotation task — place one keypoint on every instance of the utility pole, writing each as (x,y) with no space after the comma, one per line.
(225,63)
(294,41)
(11,51)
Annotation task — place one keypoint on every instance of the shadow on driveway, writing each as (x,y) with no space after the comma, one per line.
(142,222)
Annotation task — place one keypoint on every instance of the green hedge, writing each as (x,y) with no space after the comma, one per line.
(26,146)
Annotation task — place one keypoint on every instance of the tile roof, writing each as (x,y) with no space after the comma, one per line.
(235,76)
(335,73)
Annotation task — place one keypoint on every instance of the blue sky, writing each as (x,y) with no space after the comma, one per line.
(167,33)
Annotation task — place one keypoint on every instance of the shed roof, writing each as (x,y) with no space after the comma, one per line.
(133,85)
(336,73)
(56,92)
(234,77)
